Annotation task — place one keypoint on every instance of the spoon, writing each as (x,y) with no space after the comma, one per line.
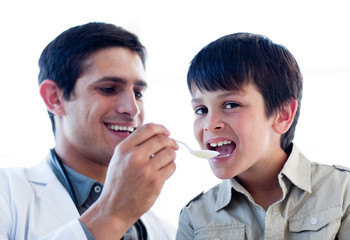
(200,153)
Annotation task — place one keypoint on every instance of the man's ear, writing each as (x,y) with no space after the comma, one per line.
(52,96)
(284,117)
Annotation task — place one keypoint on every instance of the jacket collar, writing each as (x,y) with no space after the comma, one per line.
(49,189)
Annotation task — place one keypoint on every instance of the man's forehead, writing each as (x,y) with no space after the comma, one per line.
(89,59)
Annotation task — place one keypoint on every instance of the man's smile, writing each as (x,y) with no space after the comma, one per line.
(119,128)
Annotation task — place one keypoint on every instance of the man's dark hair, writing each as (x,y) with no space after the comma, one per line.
(234,60)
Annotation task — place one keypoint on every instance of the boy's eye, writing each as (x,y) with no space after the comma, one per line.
(231,105)
(201,110)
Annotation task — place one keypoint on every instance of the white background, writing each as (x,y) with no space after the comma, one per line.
(316,32)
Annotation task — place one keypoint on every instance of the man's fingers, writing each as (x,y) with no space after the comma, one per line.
(163,158)
(146,132)
(168,170)
(158,143)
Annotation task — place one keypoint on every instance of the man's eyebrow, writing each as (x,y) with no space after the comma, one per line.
(122,81)
(141,83)
(112,79)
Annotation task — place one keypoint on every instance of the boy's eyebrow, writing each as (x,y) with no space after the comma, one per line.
(195,100)
(227,94)
(122,81)
(223,95)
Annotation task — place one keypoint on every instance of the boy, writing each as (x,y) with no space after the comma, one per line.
(246,93)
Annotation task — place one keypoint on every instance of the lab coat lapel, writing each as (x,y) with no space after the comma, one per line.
(52,192)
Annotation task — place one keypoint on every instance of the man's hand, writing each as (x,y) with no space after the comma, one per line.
(136,174)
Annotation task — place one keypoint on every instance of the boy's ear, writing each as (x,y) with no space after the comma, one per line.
(52,96)
(284,117)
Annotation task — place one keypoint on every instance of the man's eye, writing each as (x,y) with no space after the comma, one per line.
(138,95)
(231,105)
(200,111)
(107,90)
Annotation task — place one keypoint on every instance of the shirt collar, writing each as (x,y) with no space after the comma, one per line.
(82,185)
(224,195)
(297,169)
(225,192)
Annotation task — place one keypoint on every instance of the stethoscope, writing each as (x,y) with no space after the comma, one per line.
(61,173)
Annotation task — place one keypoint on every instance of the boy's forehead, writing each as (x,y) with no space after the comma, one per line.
(199,94)
(225,83)
(248,91)
(195,90)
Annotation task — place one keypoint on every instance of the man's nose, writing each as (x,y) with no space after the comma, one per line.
(127,104)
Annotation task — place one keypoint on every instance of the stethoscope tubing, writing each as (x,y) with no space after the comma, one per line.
(62,175)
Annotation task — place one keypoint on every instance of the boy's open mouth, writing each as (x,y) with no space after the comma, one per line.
(225,148)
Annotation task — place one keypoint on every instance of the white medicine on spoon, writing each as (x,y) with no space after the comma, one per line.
(205,153)
(200,153)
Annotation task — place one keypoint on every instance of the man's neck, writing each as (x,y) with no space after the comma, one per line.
(82,165)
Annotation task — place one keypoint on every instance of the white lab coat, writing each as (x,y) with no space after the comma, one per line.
(35,205)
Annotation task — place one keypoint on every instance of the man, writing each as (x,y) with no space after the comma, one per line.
(107,169)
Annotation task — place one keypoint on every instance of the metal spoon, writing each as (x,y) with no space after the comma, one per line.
(200,153)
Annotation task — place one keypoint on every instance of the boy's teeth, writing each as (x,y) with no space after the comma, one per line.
(220,143)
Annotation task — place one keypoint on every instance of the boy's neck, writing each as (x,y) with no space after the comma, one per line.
(263,184)
(265,198)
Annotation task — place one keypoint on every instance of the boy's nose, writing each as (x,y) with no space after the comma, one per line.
(213,123)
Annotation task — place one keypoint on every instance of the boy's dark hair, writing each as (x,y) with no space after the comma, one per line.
(241,58)
(63,59)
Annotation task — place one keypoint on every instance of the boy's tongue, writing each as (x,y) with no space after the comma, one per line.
(225,149)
